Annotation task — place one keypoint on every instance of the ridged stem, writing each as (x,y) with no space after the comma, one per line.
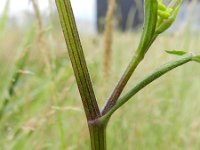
(98,136)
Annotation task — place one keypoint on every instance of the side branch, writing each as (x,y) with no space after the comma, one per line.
(147,80)
(147,38)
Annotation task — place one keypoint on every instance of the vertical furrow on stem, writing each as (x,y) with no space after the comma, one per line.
(77,59)
(80,63)
(96,127)
(98,136)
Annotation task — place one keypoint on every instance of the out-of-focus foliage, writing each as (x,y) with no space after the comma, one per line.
(4,19)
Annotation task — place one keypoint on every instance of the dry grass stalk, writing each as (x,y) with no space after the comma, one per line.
(109,36)
(40,35)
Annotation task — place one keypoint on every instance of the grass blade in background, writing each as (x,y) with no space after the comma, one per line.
(23,55)
(42,45)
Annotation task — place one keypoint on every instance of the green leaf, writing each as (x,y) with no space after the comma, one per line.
(197,58)
(176,52)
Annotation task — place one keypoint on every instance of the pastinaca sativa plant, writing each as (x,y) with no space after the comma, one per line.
(157,18)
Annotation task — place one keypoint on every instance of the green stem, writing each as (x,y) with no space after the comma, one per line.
(125,78)
(97,136)
(147,38)
(78,59)
(122,83)
(147,80)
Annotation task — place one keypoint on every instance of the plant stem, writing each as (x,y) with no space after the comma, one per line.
(137,58)
(97,136)
(147,80)
(147,38)
(78,59)
(122,83)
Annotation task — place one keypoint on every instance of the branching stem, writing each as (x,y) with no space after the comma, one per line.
(147,80)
